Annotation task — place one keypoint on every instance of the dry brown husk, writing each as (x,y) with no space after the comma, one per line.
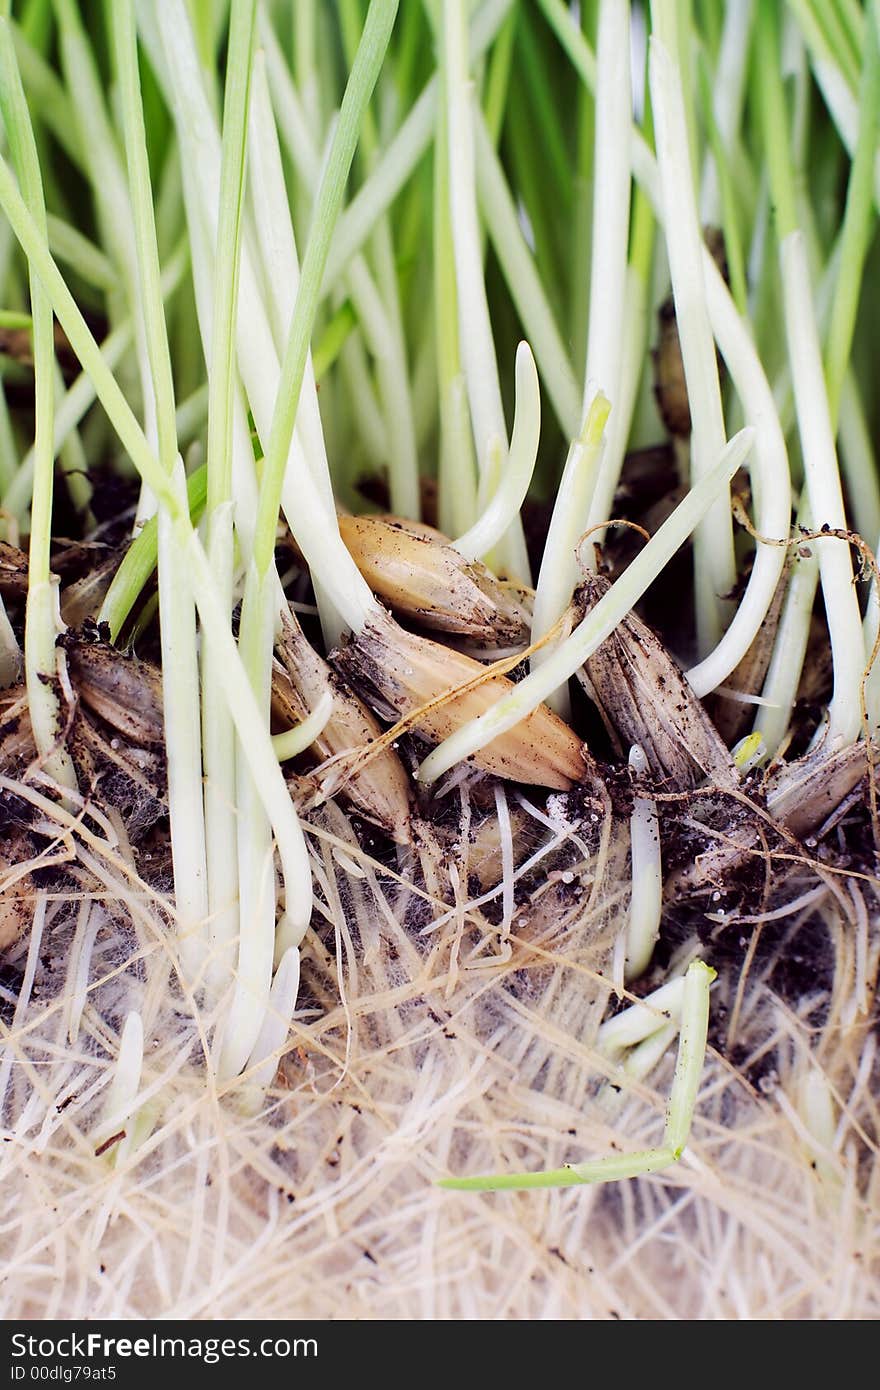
(380,790)
(418,574)
(412,676)
(644,699)
(122,689)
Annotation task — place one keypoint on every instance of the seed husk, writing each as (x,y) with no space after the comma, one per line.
(122,689)
(81,599)
(411,676)
(644,698)
(801,798)
(13,571)
(415,570)
(803,794)
(380,790)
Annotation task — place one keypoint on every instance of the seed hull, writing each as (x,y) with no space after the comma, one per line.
(414,676)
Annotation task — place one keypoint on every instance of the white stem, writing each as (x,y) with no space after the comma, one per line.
(256,873)
(771,483)
(180,694)
(730,72)
(257,355)
(81,395)
(500,215)
(643,926)
(558,573)
(611,205)
(714,566)
(402,154)
(42,624)
(691,1055)
(635,338)
(789,648)
(859,461)
(475,328)
(276,1023)
(218,750)
(823,488)
(510,494)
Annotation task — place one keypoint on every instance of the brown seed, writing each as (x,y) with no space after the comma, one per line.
(801,797)
(13,571)
(803,794)
(82,598)
(415,570)
(413,676)
(644,698)
(123,690)
(380,790)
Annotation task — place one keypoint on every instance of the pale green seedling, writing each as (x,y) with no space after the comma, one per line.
(679,1111)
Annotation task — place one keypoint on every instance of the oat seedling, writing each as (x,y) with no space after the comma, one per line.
(679,1111)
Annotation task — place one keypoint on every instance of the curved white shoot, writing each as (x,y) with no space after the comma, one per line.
(263,1060)
(632,1026)
(597,625)
(679,1112)
(558,574)
(292,742)
(771,482)
(516,475)
(643,926)
(122,1093)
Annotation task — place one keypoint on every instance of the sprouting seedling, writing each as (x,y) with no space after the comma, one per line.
(679,1112)
(599,623)
(509,496)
